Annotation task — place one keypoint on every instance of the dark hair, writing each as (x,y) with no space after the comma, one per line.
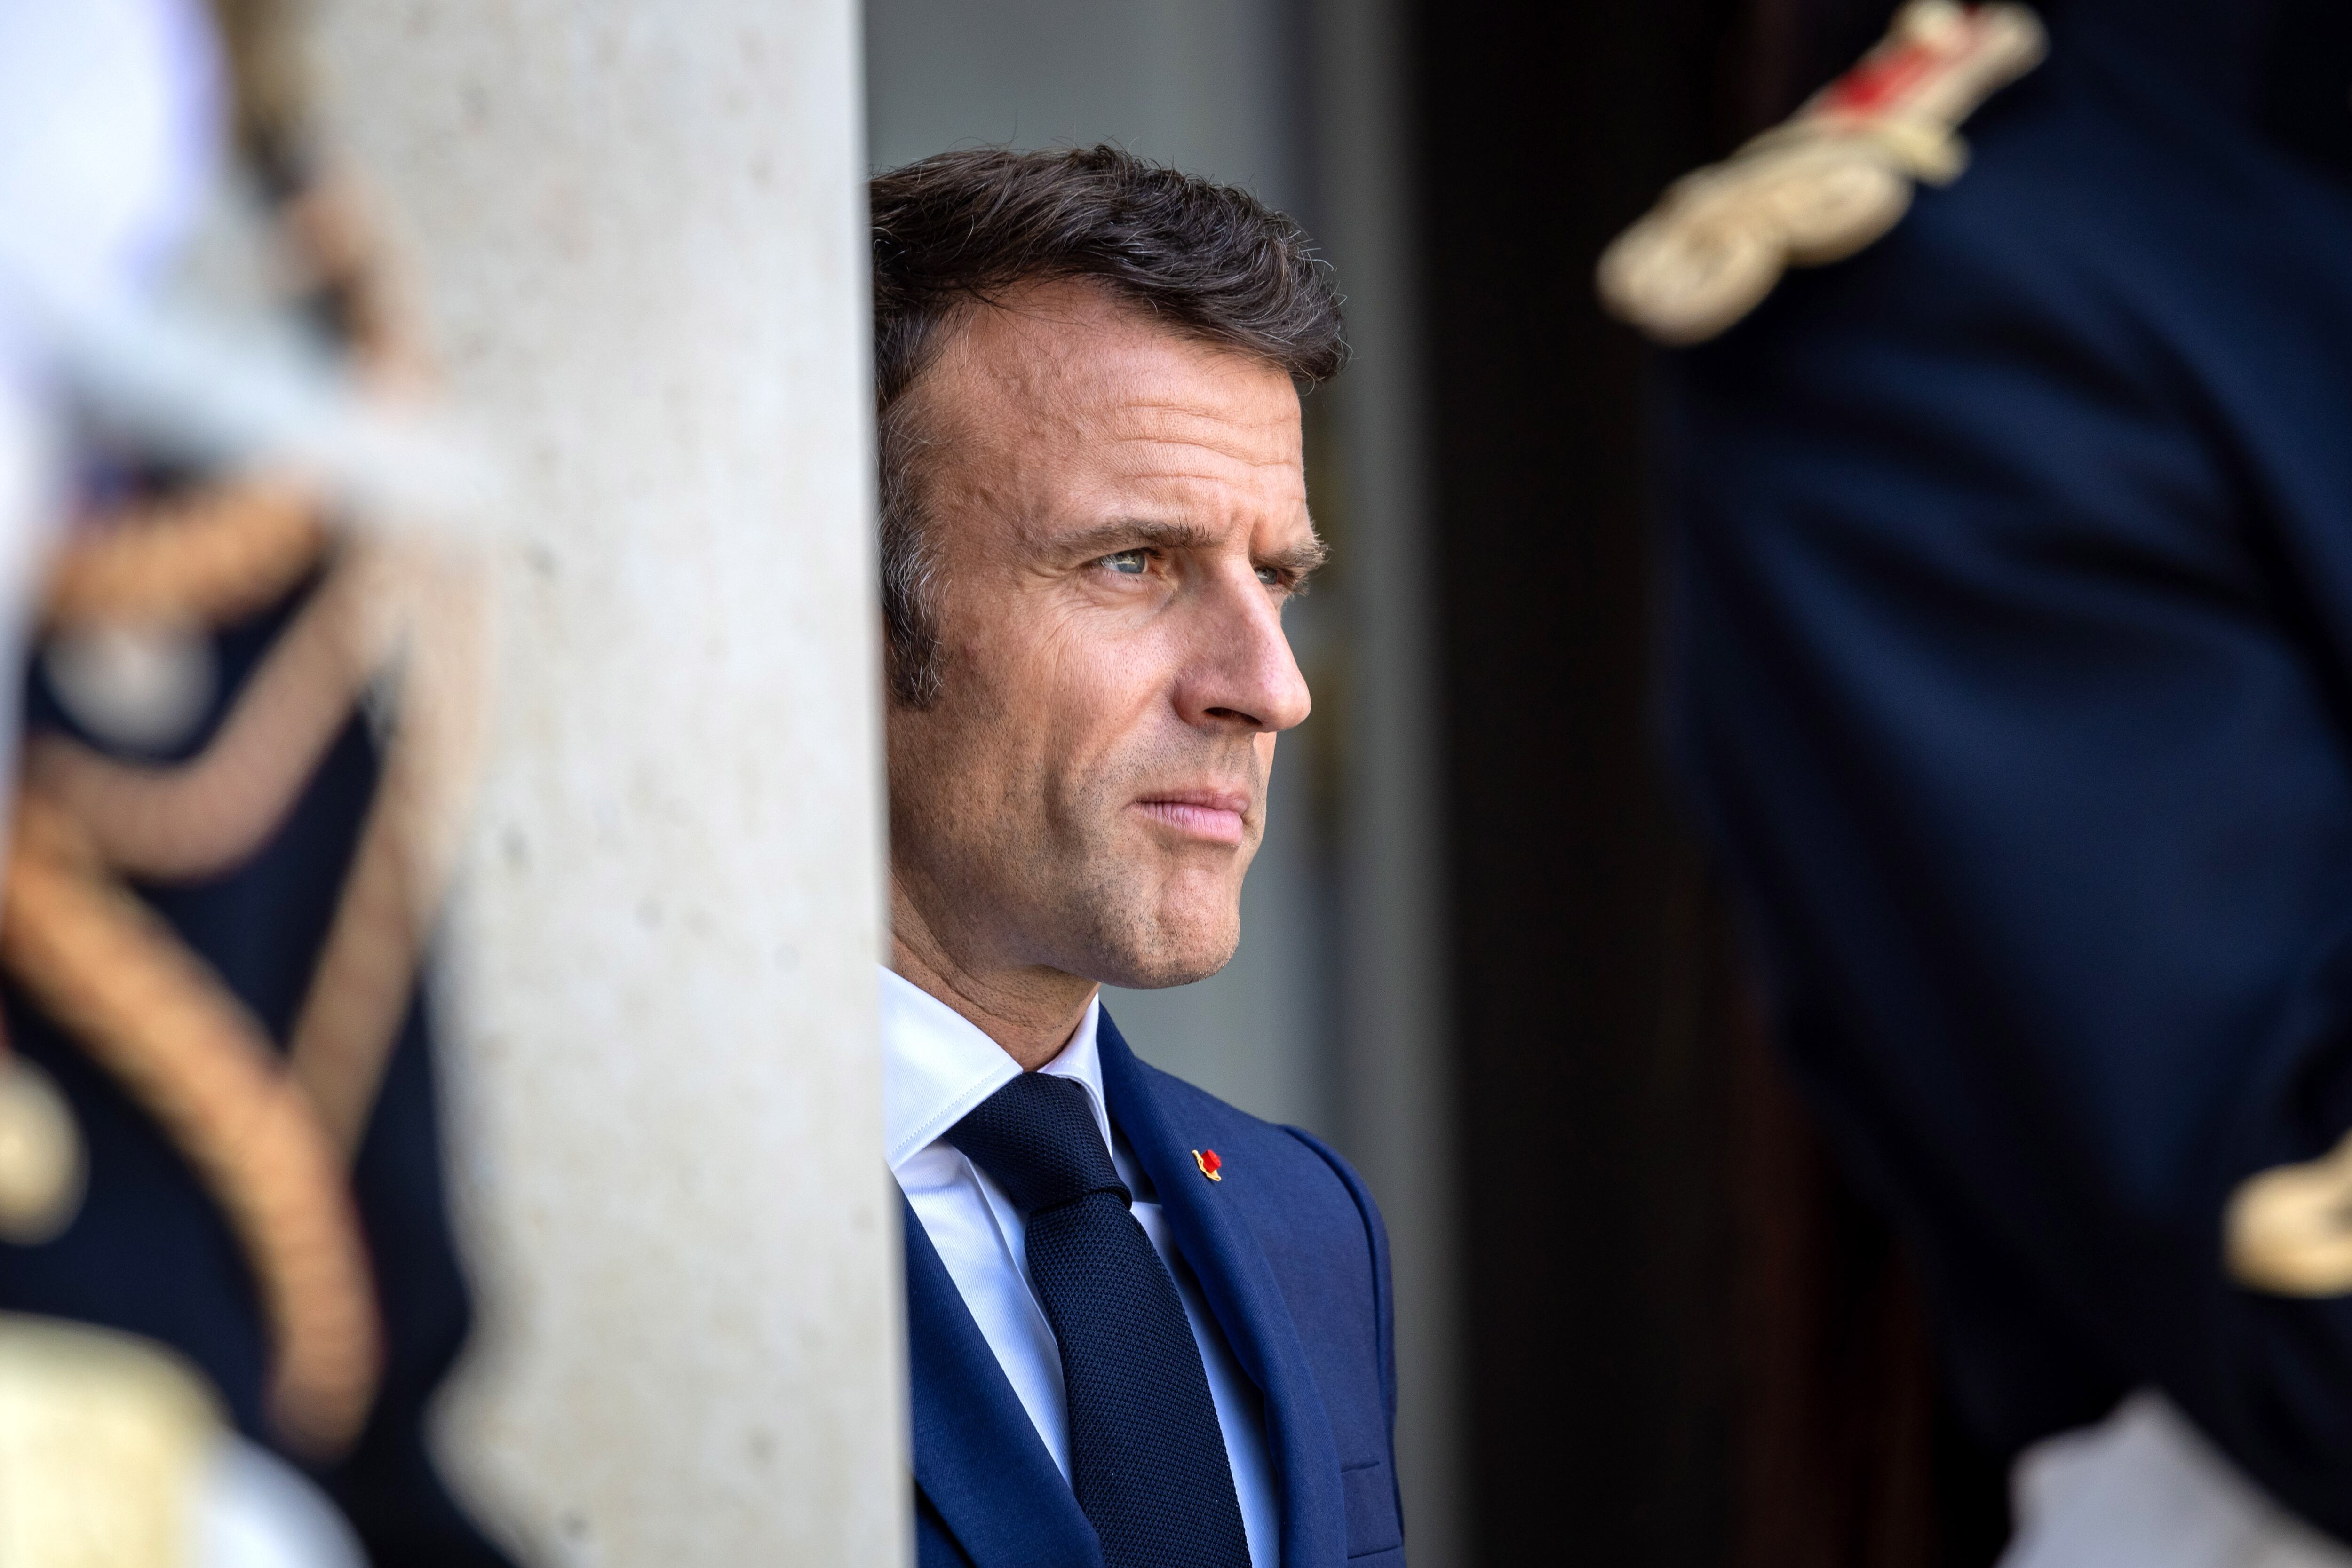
(967,227)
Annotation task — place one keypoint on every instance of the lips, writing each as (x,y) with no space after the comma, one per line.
(1210,816)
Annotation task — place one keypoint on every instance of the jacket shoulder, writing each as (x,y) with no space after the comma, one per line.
(1321,1231)
(1262,1164)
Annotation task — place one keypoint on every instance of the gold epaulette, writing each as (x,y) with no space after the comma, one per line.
(2288,1229)
(1817,189)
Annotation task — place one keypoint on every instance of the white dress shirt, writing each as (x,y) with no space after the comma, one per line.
(936,1067)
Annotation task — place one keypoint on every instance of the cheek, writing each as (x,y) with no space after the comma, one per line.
(1070,701)
(1087,683)
(1012,750)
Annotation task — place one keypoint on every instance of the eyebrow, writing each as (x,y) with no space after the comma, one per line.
(1131,533)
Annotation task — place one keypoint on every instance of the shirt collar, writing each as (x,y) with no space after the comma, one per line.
(937,1065)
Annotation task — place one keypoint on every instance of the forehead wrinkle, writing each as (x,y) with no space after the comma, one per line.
(1051,380)
(1184,409)
(1266,446)
(1278,421)
(1016,383)
(1225,456)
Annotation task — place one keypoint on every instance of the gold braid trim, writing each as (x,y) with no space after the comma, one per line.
(214,556)
(105,966)
(202,817)
(407,848)
(329,226)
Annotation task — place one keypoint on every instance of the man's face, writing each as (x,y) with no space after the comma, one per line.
(1118,514)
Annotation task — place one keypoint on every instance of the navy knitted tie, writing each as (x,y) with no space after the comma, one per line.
(1147,1458)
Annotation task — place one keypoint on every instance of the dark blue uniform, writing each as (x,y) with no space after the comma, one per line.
(151,1250)
(2011,668)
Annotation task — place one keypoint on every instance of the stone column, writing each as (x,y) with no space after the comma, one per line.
(635,230)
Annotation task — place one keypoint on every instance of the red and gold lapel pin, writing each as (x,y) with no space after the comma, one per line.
(1209,1163)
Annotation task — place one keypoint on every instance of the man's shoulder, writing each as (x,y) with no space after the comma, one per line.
(1321,1234)
(1301,1197)
(1321,1237)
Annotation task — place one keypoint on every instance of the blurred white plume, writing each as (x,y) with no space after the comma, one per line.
(112,116)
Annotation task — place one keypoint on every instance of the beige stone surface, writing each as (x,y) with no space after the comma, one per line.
(635,230)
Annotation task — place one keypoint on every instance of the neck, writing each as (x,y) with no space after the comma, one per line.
(1029,1011)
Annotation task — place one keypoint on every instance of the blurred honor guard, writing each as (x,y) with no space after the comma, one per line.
(1147,1330)
(2012,670)
(227,1287)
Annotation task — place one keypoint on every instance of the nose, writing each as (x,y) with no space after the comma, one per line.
(1240,672)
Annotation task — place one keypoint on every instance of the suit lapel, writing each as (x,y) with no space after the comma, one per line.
(1239,1285)
(977,1456)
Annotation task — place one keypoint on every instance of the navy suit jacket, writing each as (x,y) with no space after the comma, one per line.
(1291,1258)
(2012,668)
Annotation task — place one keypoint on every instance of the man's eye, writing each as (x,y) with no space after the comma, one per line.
(1271,576)
(1128,563)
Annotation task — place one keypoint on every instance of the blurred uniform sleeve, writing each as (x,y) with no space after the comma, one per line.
(2010,663)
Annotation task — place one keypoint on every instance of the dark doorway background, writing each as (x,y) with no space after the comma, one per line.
(1689,1343)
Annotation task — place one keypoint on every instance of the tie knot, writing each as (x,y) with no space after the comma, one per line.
(1037,1138)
